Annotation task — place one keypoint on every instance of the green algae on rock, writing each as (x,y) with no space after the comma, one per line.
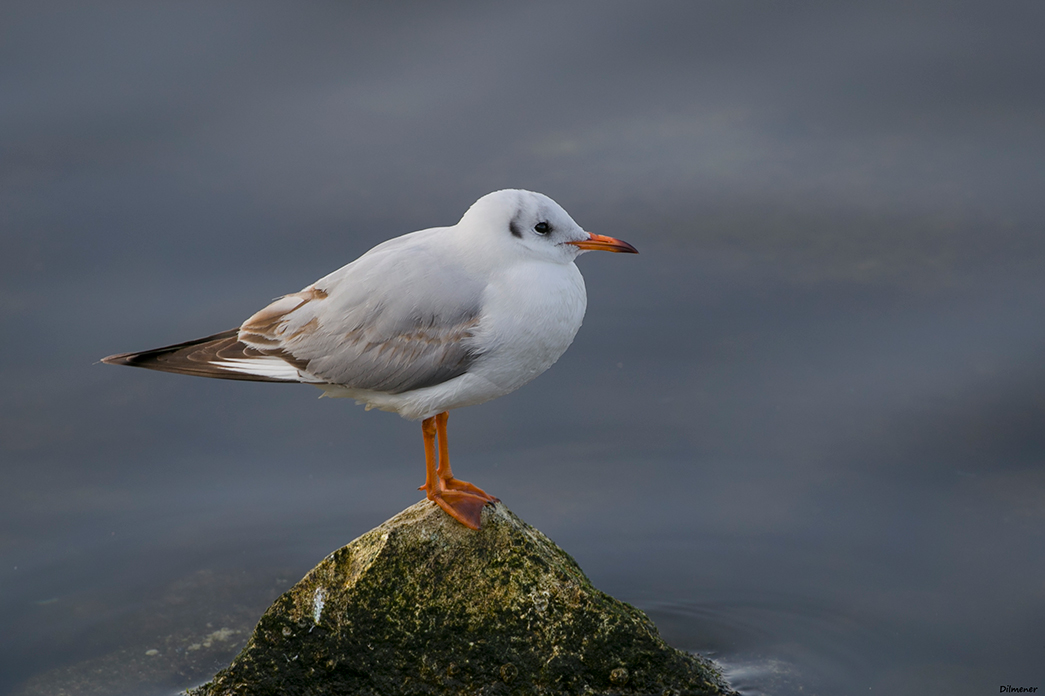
(422,605)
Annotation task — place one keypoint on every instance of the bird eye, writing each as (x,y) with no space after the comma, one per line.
(541,228)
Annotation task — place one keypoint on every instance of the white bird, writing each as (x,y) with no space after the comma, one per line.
(421,324)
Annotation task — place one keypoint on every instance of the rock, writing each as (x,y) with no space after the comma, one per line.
(423,605)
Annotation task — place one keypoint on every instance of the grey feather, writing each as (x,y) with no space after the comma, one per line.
(401,317)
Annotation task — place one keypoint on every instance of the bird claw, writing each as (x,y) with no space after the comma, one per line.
(453,484)
(463,507)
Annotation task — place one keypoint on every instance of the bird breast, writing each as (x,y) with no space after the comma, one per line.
(530,315)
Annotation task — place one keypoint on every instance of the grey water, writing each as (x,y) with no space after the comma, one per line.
(802,430)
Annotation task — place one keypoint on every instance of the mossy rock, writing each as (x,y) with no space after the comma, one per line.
(423,605)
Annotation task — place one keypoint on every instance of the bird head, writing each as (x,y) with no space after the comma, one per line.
(518,221)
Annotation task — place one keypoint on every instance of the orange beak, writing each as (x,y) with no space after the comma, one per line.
(599,242)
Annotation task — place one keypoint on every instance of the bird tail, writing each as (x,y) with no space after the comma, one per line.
(221,356)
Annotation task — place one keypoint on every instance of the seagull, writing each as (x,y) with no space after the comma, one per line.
(421,324)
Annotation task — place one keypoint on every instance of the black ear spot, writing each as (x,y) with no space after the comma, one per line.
(515,228)
(542,228)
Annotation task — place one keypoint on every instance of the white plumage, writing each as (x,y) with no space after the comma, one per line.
(421,324)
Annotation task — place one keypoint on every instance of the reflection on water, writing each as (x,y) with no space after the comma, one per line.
(178,635)
(774,646)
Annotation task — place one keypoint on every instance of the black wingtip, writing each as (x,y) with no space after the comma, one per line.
(195,358)
(145,358)
(121,359)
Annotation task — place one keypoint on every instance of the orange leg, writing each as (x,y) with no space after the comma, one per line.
(444,471)
(463,506)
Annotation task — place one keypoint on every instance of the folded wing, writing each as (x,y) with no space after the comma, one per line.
(391,321)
